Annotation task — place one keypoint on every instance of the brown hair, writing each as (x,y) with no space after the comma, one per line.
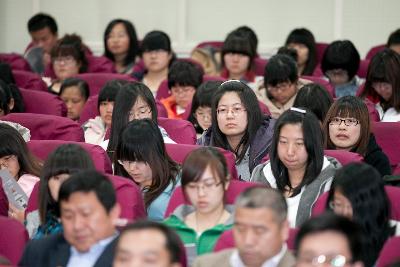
(354,107)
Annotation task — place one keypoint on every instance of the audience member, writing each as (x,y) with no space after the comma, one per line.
(340,65)
(11,95)
(383,84)
(183,79)
(329,240)
(260,231)
(205,179)
(394,41)
(239,126)
(121,45)
(303,41)
(141,155)
(147,243)
(16,101)
(347,126)
(297,166)
(200,114)
(88,210)
(74,92)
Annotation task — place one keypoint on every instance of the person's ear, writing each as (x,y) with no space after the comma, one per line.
(285,230)
(358,264)
(115,212)
(228,181)
(11,104)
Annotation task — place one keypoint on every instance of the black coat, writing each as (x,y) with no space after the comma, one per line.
(377,158)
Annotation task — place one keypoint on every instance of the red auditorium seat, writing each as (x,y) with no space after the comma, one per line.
(43,103)
(13,238)
(16,61)
(29,80)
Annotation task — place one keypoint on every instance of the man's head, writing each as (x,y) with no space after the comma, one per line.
(261,227)
(88,209)
(147,243)
(43,30)
(329,239)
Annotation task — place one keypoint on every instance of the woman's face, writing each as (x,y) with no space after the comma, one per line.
(291,148)
(237,64)
(302,52)
(55,184)
(156,60)
(65,67)
(231,115)
(140,172)
(105,110)
(282,92)
(337,76)
(203,117)
(74,101)
(383,89)
(10,163)
(118,40)
(341,205)
(344,132)
(140,110)
(206,195)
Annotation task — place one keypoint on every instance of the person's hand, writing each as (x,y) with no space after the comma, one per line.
(16,213)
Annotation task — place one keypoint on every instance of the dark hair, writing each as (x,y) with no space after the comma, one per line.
(5,97)
(71,45)
(156,40)
(251,35)
(291,52)
(82,85)
(314,97)
(6,73)
(384,67)
(65,159)
(238,42)
(329,222)
(279,69)
(7,77)
(312,135)
(363,186)
(305,37)
(133,50)
(12,143)
(141,140)
(184,73)
(254,117)
(349,107)
(202,98)
(89,181)
(110,91)
(125,100)
(173,243)
(41,21)
(394,38)
(341,55)
(197,162)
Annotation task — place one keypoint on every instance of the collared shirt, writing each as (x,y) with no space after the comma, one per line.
(236,261)
(90,257)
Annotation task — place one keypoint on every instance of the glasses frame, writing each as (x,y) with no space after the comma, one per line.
(348,124)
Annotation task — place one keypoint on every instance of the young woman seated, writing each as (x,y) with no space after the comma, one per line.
(74,93)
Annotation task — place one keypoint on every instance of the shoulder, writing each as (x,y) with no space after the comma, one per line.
(205,138)
(288,260)
(258,175)
(219,259)
(38,248)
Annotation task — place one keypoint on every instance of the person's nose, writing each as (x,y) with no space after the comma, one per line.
(291,149)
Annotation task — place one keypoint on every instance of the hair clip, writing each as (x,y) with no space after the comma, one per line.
(230,81)
(298,110)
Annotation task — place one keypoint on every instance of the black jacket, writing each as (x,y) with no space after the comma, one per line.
(376,158)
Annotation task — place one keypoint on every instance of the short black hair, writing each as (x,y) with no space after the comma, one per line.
(41,21)
(185,73)
(332,222)
(284,50)
(246,30)
(89,181)
(394,38)
(239,42)
(280,68)
(5,97)
(110,91)
(341,55)
(156,40)
(81,84)
(173,242)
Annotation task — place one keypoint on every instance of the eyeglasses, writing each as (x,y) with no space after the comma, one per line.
(126,163)
(181,89)
(6,160)
(68,60)
(337,206)
(279,87)
(207,185)
(140,113)
(332,260)
(336,72)
(203,114)
(347,121)
(236,110)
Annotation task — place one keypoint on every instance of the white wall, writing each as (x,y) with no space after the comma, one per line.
(365,22)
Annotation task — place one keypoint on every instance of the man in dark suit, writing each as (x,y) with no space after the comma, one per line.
(88,211)
(260,231)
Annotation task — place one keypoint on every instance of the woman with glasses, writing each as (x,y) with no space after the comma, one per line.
(140,155)
(205,179)
(347,126)
(358,193)
(239,126)
(68,59)
(133,102)
(383,84)
(297,166)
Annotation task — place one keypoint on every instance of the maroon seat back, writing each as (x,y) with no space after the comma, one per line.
(163,90)
(343,156)
(387,136)
(234,189)
(390,252)
(16,61)
(215,44)
(363,68)
(374,50)
(13,238)
(48,127)
(321,50)
(3,202)
(181,131)
(43,103)
(29,80)
(96,81)
(259,66)
(90,110)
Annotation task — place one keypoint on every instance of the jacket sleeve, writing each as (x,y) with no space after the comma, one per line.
(380,162)
(258,175)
